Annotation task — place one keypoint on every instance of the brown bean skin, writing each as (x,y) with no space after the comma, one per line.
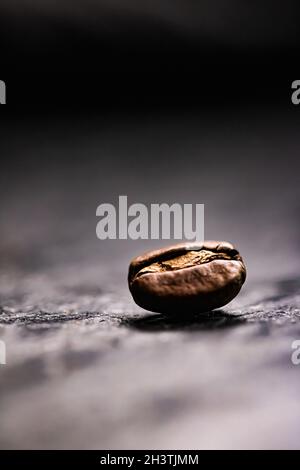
(187,277)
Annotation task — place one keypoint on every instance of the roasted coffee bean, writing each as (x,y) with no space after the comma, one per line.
(187,277)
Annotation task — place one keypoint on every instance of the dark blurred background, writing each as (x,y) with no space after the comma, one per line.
(162,101)
(105,53)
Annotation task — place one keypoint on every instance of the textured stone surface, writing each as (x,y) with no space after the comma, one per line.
(92,370)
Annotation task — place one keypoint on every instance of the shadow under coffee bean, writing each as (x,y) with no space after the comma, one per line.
(217,319)
(187,277)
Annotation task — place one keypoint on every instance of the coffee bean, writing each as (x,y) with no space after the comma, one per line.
(187,277)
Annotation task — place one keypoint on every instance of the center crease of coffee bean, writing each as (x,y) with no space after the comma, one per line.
(186,260)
